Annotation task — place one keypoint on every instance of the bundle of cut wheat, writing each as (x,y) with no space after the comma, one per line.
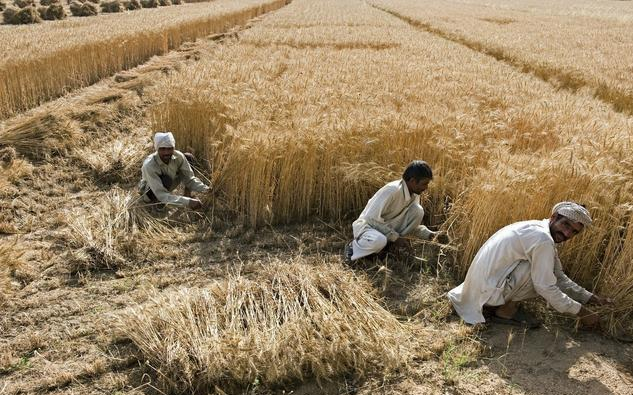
(294,320)
(26,15)
(87,8)
(112,6)
(24,3)
(114,229)
(53,12)
(132,5)
(115,162)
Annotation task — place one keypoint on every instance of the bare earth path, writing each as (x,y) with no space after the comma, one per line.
(55,334)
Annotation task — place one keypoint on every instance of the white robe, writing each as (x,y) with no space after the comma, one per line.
(178,169)
(529,241)
(392,212)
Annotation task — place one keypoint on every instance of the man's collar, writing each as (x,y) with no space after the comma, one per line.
(549,232)
(407,195)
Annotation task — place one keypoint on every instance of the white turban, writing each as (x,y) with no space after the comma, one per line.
(164,140)
(573,211)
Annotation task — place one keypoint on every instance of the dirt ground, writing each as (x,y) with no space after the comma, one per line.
(55,334)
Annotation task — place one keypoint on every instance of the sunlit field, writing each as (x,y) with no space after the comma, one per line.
(297,112)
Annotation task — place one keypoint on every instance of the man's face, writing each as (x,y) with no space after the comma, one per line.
(562,228)
(418,186)
(165,153)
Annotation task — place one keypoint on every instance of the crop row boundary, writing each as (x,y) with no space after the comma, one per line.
(621,102)
(27,84)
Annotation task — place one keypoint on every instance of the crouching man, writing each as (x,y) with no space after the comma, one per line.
(166,169)
(520,262)
(394,211)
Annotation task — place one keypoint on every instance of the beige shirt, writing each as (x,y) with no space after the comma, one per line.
(386,209)
(522,241)
(178,169)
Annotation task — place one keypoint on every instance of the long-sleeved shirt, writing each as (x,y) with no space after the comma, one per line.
(178,169)
(386,210)
(522,241)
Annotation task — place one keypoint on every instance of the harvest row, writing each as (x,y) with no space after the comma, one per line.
(588,47)
(43,61)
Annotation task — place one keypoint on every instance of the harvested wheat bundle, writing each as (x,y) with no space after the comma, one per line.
(83,9)
(3,5)
(40,135)
(24,3)
(49,2)
(149,3)
(177,2)
(53,12)
(112,6)
(293,320)
(22,16)
(112,231)
(8,14)
(116,162)
(164,3)
(132,5)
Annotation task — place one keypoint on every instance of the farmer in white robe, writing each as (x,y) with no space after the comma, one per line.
(394,211)
(520,262)
(166,169)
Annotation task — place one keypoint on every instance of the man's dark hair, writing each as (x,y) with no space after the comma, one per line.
(417,169)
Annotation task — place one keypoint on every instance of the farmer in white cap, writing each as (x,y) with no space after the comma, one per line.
(520,262)
(164,170)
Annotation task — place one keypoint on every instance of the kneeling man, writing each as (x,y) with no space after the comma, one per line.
(164,170)
(520,262)
(394,211)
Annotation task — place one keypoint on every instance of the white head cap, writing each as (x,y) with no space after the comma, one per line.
(164,140)
(573,211)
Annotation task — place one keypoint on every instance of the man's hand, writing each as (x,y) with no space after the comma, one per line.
(589,319)
(441,237)
(393,236)
(599,301)
(195,204)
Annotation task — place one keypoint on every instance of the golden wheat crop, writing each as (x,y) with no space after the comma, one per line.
(44,61)
(115,229)
(588,46)
(295,320)
(311,121)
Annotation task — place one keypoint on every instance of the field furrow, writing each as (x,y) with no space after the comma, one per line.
(45,61)
(589,48)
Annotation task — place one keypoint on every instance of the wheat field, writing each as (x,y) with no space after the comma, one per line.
(587,47)
(44,61)
(319,143)
(298,111)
